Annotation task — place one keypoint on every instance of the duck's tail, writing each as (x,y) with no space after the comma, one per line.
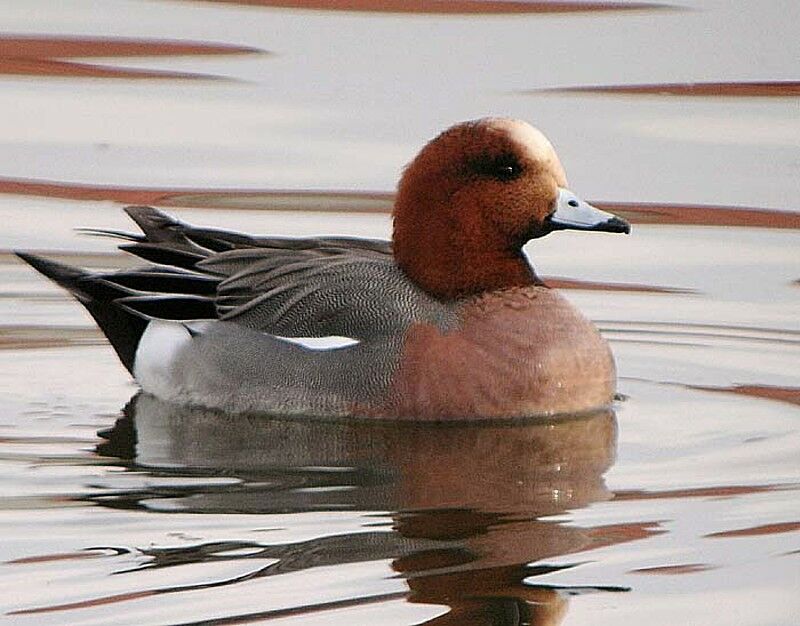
(122,325)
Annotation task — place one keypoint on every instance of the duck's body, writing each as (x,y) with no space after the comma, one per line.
(448,321)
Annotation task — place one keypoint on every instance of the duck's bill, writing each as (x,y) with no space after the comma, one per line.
(572,213)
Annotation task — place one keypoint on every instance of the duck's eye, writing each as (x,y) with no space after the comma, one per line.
(507,172)
(504,168)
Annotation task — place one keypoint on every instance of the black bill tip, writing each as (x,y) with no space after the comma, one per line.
(615,225)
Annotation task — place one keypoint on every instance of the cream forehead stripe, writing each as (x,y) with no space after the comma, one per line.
(533,142)
(527,137)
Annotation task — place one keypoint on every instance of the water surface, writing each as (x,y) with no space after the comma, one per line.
(679,506)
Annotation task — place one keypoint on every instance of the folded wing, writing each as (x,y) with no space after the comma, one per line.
(310,287)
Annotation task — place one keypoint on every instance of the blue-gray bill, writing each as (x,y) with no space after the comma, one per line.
(572,213)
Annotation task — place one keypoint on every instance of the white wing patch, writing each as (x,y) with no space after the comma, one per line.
(331,342)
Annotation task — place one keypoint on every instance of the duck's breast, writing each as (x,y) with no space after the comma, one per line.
(523,351)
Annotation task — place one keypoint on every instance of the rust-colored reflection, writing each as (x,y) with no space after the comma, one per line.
(672,570)
(758,89)
(71,47)
(375,202)
(86,604)
(44,56)
(756,531)
(450,7)
(559,282)
(470,528)
(61,556)
(241,199)
(702,215)
(770,392)
(724,491)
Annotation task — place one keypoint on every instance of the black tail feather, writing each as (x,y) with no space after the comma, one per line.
(112,234)
(66,276)
(168,307)
(165,282)
(157,226)
(123,327)
(163,255)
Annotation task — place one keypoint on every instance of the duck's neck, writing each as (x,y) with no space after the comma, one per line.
(457,273)
(446,246)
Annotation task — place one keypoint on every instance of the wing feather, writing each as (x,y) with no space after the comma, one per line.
(293,287)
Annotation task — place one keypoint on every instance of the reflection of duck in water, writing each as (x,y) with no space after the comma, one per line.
(467,500)
(449,320)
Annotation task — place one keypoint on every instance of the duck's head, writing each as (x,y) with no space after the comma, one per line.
(473,197)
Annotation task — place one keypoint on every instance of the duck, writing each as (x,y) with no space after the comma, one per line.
(446,321)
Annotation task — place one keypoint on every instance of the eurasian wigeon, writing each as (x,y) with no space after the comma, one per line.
(449,320)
